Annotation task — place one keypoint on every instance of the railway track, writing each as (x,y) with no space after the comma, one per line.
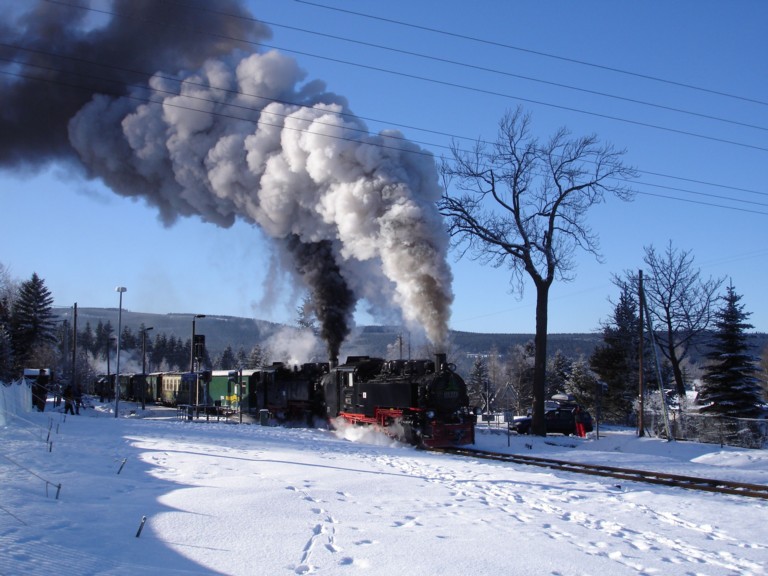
(676,480)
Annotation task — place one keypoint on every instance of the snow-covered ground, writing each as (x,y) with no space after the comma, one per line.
(223,498)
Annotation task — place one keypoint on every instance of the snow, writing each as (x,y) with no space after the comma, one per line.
(226,498)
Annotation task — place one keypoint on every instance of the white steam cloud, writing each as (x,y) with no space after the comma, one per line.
(244,136)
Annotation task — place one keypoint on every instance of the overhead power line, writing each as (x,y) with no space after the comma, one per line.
(394,139)
(452,84)
(469,65)
(518,76)
(535,52)
(144,75)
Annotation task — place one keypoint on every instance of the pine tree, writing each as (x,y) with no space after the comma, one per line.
(32,321)
(227,360)
(582,383)
(86,340)
(615,360)
(730,383)
(256,357)
(6,355)
(241,358)
(102,343)
(306,317)
(558,369)
(159,351)
(129,340)
(7,291)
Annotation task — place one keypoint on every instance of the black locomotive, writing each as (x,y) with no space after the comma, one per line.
(422,402)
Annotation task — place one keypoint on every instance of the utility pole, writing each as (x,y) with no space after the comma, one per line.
(641,391)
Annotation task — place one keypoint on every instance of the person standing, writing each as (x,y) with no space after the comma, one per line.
(69,400)
(579,420)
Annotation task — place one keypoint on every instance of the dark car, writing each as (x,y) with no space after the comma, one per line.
(559,420)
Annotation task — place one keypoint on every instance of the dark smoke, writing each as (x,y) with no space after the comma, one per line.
(54,60)
(332,300)
(172,103)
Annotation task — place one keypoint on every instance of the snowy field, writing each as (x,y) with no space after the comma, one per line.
(248,500)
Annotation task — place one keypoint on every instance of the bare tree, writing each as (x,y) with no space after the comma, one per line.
(680,303)
(523,203)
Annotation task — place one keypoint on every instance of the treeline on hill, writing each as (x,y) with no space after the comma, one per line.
(720,365)
(498,367)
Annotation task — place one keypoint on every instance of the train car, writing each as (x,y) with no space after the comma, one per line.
(249,383)
(289,393)
(177,388)
(422,402)
(154,385)
(131,387)
(222,388)
(104,387)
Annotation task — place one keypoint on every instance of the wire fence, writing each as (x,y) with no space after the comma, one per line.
(723,430)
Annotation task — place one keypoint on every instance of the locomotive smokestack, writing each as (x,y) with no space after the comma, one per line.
(333,362)
(441,361)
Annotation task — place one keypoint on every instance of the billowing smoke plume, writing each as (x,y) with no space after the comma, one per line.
(174,104)
(332,298)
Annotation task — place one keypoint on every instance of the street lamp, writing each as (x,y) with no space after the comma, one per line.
(192,363)
(144,364)
(119,289)
(105,388)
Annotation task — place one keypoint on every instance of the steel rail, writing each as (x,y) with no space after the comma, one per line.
(646,476)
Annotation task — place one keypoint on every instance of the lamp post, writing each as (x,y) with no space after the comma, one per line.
(144,364)
(192,362)
(105,388)
(120,290)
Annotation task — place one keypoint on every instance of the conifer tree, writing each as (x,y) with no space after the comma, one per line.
(6,355)
(241,358)
(730,383)
(227,360)
(582,383)
(32,321)
(615,360)
(558,369)
(86,339)
(257,357)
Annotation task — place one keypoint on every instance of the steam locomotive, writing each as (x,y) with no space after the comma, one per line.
(422,402)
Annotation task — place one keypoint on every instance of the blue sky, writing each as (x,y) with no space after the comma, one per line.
(699,142)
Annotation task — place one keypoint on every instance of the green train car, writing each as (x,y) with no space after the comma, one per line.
(233,389)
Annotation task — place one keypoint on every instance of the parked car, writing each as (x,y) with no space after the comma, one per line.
(560,419)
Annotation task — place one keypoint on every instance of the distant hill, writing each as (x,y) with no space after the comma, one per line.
(223,331)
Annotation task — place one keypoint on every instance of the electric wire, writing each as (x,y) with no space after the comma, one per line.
(59,2)
(470,66)
(260,121)
(147,75)
(535,52)
(415,128)
(518,76)
(457,85)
